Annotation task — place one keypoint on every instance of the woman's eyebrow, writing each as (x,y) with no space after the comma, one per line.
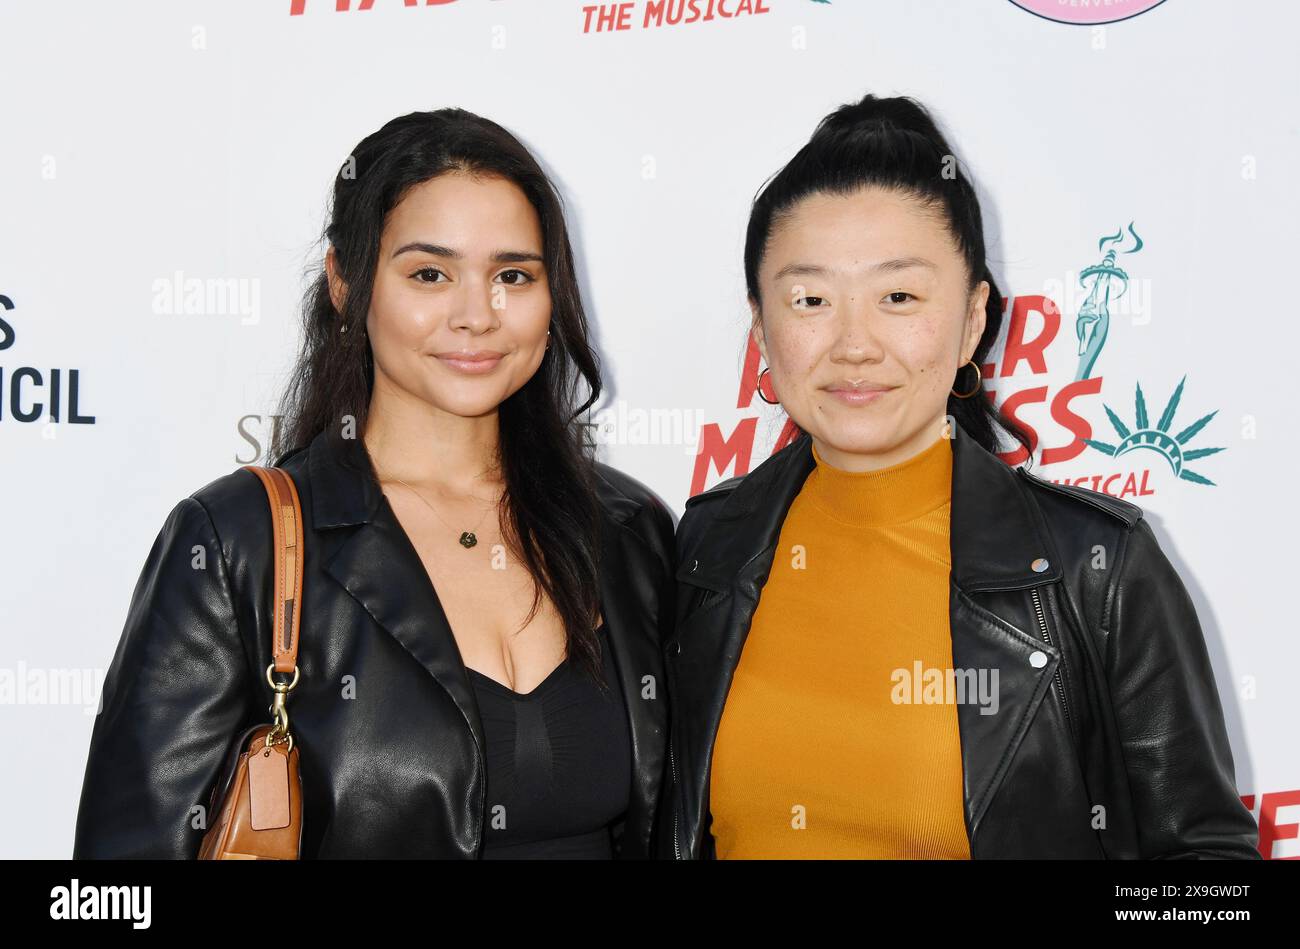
(894,265)
(440,250)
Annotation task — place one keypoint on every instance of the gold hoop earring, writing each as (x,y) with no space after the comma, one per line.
(979,380)
(760,389)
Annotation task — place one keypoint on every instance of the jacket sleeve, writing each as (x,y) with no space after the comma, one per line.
(176,693)
(1169,716)
(666,547)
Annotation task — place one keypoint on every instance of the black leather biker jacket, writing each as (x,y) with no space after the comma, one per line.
(1114,747)
(384,713)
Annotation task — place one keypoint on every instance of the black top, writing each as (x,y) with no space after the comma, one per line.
(559,763)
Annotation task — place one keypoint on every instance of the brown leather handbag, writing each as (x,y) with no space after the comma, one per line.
(256,803)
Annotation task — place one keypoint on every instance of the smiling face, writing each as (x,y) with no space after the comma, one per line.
(461,305)
(867,315)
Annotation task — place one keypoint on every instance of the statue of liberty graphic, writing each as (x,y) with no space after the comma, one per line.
(1109,282)
(1094,316)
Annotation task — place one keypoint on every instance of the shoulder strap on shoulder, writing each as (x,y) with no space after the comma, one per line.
(286,527)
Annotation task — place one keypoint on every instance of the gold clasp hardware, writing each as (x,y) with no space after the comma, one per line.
(279,712)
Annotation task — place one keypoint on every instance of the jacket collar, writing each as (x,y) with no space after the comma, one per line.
(996,533)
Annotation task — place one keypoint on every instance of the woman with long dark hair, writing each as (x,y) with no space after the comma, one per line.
(480,631)
(889,643)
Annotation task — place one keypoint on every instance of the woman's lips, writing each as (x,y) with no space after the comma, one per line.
(473,365)
(858,396)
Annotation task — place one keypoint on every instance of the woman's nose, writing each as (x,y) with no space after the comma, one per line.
(477,308)
(857,338)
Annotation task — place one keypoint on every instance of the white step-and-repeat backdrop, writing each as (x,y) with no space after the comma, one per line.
(165,165)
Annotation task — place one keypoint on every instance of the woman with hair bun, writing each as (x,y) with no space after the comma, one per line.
(889,643)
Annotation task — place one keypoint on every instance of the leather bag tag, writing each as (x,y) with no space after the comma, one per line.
(268,788)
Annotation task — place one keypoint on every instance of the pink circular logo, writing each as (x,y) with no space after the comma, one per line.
(1087,12)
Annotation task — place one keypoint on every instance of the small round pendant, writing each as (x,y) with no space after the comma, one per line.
(468,539)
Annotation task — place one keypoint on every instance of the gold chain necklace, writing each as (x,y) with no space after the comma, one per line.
(467,538)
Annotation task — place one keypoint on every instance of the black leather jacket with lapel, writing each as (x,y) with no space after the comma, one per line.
(1114,747)
(384,713)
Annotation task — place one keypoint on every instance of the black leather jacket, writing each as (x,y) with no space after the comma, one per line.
(384,712)
(1121,727)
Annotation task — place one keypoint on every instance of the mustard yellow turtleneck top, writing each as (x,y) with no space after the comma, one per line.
(814,756)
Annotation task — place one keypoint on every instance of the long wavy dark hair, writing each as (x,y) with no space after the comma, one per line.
(549,515)
(894,144)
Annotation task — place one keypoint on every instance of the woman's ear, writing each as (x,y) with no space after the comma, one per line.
(756,328)
(338,289)
(976,318)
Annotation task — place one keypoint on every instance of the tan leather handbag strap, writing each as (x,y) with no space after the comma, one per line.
(286,527)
